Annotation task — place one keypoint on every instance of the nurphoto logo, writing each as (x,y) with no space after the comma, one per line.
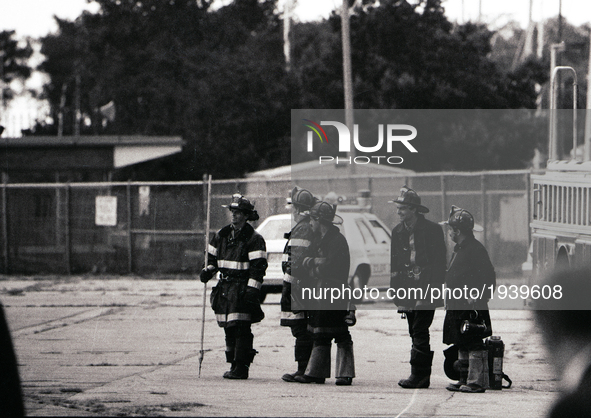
(389,135)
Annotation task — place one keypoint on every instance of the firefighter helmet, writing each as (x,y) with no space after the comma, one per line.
(302,199)
(461,219)
(325,212)
(242,204)
(409,197)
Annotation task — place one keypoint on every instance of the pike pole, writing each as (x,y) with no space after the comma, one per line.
(201,351)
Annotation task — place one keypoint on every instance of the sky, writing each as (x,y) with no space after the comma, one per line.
(35,17)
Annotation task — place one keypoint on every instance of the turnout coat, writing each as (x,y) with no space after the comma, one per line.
(470,267)
(418,260)
(330,262)
(241,262)
(299,240)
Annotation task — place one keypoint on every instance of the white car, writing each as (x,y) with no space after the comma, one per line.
(369,246)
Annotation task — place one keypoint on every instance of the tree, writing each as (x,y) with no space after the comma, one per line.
(216,78)
(409,56)
(13,61)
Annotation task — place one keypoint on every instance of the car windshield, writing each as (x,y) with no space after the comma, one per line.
(275,228)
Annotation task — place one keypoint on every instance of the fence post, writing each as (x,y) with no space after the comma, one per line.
(129,240)
(4,223)
(371,198)
(204,197)
(68,231)
(528,195)
(483,206)
(443,197)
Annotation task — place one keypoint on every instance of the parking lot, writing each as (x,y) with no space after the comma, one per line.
(129,346)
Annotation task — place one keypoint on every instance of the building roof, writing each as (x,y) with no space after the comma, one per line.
(108,152)
(93,141)
(311,169)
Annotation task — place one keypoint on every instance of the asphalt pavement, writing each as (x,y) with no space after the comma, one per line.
(130,346)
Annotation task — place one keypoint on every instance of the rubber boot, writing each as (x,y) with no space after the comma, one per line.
(345,364)
(477,381)
(230,359)
(242,361)
(462,365)
(420,370)
(318,367)
(302,353)
(290,377)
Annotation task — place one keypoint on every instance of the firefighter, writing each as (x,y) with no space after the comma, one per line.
(564,320)
(328,262)
(239,253)
(299,239)
(11,395)
(467,320)
(418,259)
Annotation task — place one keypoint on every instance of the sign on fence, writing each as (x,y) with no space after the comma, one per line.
(106,211)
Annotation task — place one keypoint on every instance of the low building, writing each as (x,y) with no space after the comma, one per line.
(372,183)
(40,159)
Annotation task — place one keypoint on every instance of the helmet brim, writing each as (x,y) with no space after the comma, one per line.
(420,208)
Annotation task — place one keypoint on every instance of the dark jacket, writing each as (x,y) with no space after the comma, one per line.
(329,263)
(430,262)
(242,262)
(470,269)
(299,240)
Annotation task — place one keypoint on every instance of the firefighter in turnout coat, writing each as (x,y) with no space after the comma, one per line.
(239,253)
(470,267)
(418,260)
(328,262)
(298,240)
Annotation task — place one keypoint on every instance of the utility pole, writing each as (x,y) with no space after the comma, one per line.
(347,75)
(528,47)
(479,11)
(559,23)
(60,116)
(288,10)
(1,90)
(555,152)
(78,114)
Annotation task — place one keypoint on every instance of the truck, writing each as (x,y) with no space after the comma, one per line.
(561,199)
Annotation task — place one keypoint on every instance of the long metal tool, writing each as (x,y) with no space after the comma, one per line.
(201,351)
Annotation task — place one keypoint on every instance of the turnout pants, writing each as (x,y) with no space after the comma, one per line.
(239,340)
(418,328)
(303,342)
(320,359)
(421,356)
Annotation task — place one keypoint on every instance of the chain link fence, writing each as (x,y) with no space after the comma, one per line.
(158,227)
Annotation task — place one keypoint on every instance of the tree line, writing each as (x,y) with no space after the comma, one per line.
(218,78)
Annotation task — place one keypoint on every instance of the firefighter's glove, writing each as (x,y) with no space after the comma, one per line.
(252,296)
(207,274)
(252,302)
(350,318)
